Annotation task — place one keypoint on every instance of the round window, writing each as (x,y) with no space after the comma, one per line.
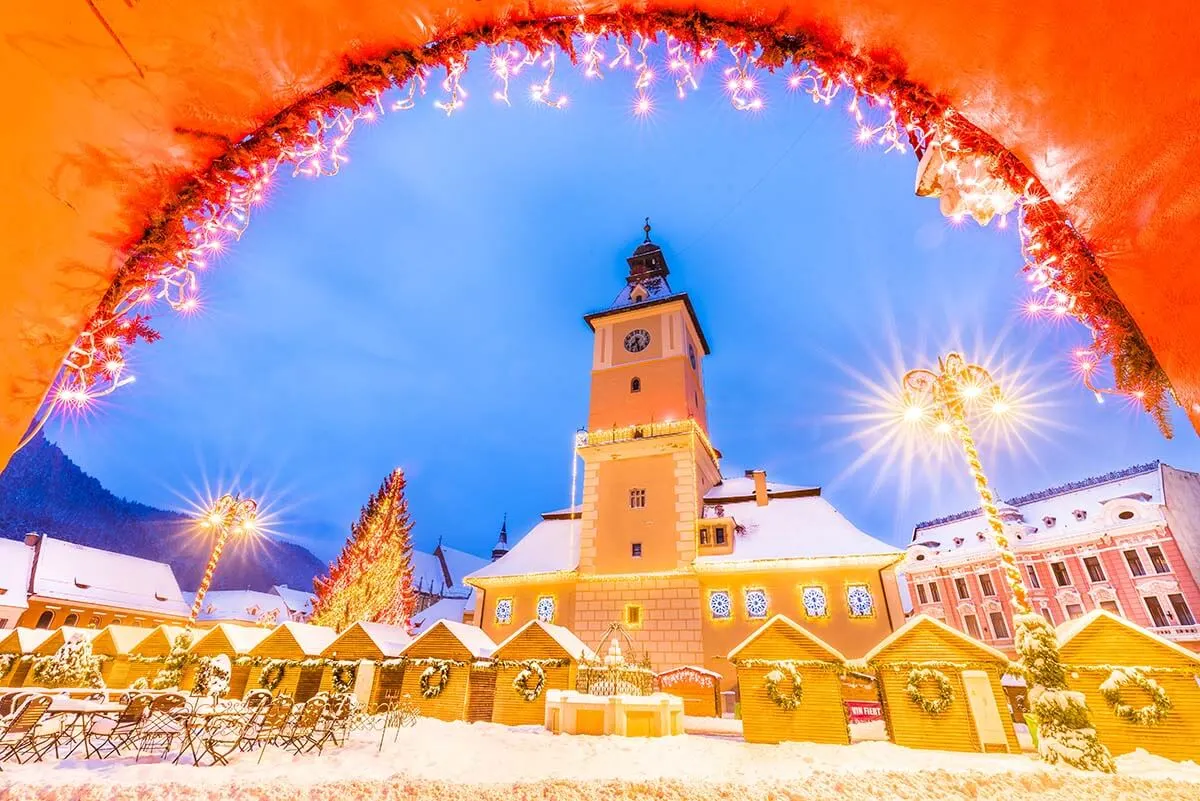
(1125,514)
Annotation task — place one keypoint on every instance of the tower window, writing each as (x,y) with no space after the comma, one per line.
(637,499)
(633,615)
(635,384)
(704,540)
(692,354)
(635,549)
(719,535)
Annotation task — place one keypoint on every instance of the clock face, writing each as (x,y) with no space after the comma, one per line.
(637,340)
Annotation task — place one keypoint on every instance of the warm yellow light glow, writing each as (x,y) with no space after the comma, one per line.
(972,391)
(914,412)
(942,428)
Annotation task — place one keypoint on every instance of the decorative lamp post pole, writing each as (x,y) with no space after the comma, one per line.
(942,399)
(231,514)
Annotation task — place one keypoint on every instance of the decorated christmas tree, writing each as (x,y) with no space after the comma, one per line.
(72,665)
(371,579)
(172,670)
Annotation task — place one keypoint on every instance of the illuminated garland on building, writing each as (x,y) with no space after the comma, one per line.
(889,109)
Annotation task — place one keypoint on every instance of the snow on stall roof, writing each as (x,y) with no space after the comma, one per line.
(25,640)
(390,640)
(70,572)
(549,547)
(298,601)
(125,638)
(247,606)
(472,637)
(242,638)
(807,527)
(444,609)
(1070,629)
(313,640)
(565,638)
(959,534)
(781,620)
(16,560)
(926,620)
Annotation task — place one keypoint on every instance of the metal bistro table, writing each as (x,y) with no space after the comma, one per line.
(78,715)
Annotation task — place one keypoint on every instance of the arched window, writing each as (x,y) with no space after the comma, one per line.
(635,384)
(71,620)
(45,620)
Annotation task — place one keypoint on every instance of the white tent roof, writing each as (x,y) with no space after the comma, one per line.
(70,572)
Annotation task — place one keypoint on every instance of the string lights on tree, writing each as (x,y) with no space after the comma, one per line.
(942,399)
(970,171)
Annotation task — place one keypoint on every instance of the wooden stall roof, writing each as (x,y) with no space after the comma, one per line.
(810,646)
(295,641)
(384,641)
(472,642)
(58,638)
(927,634)
(159,641)
(570,646)
(1102,638)
(231,639)
(117,640)
(23,640)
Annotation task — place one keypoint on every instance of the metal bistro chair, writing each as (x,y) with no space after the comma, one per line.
(265,731)
(308,731)
(161,725)
(19,738)
(107,736)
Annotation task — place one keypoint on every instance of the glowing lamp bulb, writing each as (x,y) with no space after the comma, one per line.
(942,428)
(972,391)
(214,519)
(642,106)
(732,85)
(913,413)
(1000,408)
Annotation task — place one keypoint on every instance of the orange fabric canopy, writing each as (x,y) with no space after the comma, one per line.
(114,104)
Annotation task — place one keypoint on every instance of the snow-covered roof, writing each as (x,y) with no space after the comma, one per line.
(313,640)
(70,572)
(472,637)
(125,638)
(564,637)
(781,620)
(804,527)
(242,638)
(443,609)
(926,620)
(742,487)
(22,640)
(390,640)
(1078,509)
(248,606)
(461,564)
(1070,629)
(656,288)
(549,547)
(298,601)
(16,560)
(427,572)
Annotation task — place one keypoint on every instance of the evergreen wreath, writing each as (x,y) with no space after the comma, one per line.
(1149,715)
(431,688)
(343,677)
(945,690)
(771,681)
(272,675)
(531,670)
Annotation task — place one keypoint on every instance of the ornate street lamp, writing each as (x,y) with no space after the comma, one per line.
(942,399)
(231,514)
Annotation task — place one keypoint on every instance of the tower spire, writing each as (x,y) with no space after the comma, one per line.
(647,230)
(502,543)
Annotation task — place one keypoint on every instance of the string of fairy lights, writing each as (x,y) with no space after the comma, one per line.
(968,182)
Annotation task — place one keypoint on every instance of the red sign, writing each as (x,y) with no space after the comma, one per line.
(863,711)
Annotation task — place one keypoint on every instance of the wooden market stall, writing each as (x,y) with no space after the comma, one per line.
(49,647)
(790,685)
(370,645)
(16,653)
(116,642)
(1153,704)
(233,641)
(283,654)
(147,658)
(941,689)
(699,688)
(446,674)
(537,657)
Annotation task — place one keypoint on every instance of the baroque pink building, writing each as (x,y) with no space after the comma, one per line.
(1128,542)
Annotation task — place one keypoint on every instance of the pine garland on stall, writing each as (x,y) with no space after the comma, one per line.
(172,670)
(371,579)
(72,665)
(1065,730)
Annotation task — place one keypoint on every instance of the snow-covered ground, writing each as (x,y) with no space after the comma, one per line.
(487,762)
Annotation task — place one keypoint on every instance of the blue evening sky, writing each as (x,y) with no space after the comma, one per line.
(423,309)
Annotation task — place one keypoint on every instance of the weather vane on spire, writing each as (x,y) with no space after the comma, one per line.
(647,229)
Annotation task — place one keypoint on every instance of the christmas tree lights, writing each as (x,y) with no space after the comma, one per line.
(371,579)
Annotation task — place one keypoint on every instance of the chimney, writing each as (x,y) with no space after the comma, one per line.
(760,486)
